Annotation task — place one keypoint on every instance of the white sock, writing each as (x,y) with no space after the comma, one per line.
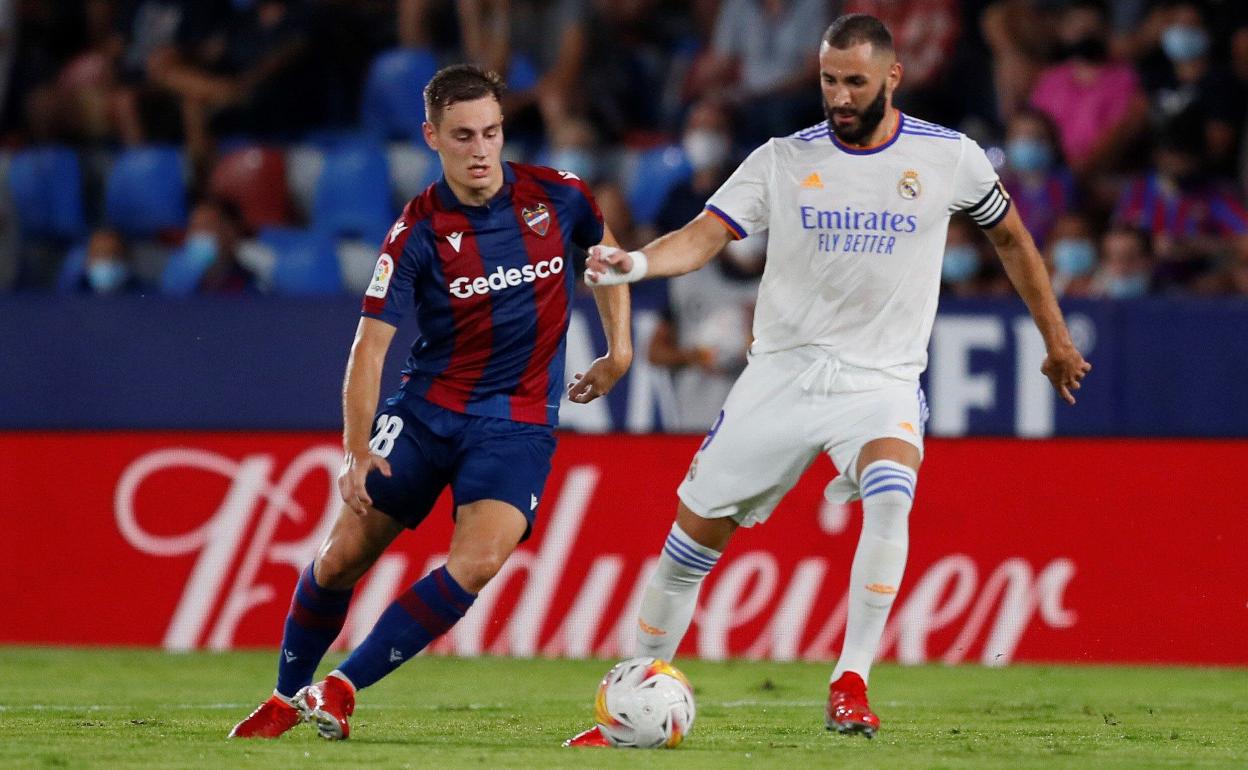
(672,594)
(887,493)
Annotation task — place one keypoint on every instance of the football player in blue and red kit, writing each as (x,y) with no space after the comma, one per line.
(484,259)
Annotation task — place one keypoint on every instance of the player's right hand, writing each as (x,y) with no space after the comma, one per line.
(355,468)
(607,266)
(1065,369)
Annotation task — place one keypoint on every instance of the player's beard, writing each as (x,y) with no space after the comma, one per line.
(868,118)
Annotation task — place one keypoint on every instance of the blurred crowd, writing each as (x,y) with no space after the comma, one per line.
(236,146)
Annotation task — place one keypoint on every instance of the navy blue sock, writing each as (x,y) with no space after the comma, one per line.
(315,618)
(421,614)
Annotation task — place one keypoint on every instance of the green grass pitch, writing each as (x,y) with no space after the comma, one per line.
(132,708)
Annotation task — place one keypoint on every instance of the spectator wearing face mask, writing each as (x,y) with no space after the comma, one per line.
(1184,83)
(1040,185)
(1097,104)
(963,263)
(707,143)
(1072,257)
(574,147)
(208,262)
(1126,265)
(705,331)
(107,271)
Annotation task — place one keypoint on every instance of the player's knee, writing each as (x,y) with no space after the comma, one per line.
(887,519)
(336,572)
(474,570)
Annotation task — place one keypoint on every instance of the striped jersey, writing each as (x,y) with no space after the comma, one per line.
(491,287)
(856,237)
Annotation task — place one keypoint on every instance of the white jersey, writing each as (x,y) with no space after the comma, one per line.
(856,238)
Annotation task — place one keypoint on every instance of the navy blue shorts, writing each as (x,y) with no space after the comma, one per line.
(482,458)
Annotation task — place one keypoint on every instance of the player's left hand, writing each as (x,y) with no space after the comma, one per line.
(1066,369)
(598,381)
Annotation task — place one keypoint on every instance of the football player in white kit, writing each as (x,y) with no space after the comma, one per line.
(856,209)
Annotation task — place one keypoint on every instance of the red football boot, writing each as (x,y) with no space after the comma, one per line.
(328,703)
(272,718)
(592,737)
(848,711)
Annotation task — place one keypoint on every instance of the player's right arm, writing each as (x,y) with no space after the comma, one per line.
(739,208)
(361,389)
(679,252)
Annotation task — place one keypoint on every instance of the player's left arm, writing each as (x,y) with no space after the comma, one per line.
(1064,364)
(615,310)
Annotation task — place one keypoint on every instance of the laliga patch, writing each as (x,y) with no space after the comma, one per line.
(537,218)
(381,277)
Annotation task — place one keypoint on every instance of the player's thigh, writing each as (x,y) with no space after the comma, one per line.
(890,421)
(505,461)
(420,464)
(754,453)
(353,545)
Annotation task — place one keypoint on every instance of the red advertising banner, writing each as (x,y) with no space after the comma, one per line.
(1066,550)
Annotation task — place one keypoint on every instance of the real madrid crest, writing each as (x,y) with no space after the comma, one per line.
(537,218)
(909,187)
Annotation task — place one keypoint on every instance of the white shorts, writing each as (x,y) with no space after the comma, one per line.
(780,415)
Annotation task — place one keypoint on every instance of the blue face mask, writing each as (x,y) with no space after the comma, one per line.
(107,276)
(961,263)
(1182,43)
(1028,155)
(1074,256)
(201,249)
(1126,286)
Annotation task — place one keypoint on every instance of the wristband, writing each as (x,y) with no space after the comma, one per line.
(611,278)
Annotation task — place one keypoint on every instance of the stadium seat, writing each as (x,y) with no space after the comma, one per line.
(306,262)
(304,163)
(353,192)
(254,179)
(146,191)
(413,167)
(73,267)
(46,188)
(651,177)
(393,102)
(356,261)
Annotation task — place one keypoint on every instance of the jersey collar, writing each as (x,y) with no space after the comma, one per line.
(882,146)
(448,200)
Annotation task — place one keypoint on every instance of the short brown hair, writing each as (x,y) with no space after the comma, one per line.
(460,83)
(856,28)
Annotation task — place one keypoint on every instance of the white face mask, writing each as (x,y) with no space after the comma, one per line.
(705,148)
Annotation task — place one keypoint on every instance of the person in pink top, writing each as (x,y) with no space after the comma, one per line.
(1098,105)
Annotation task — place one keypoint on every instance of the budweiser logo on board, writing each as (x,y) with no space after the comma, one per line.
(517,614)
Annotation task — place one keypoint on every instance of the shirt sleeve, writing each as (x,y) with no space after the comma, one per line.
(391,293)
(977,189)
(743,203)
(589,227)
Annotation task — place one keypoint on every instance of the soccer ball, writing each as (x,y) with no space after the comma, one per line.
(644,703)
